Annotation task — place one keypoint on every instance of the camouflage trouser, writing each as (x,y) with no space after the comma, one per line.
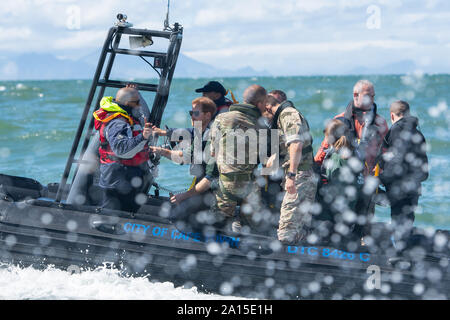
(295,213)
(233,193)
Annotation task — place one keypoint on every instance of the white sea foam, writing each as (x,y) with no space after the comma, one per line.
(101,284)
(20,86)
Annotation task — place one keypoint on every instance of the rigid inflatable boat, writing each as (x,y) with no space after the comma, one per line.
(61,224)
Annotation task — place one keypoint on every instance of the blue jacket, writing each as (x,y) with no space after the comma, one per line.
(120,137)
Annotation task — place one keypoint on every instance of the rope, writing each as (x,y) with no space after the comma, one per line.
(159,187)
(194,181)
(232,96)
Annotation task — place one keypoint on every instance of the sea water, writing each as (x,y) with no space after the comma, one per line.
(39,119)
(103,283)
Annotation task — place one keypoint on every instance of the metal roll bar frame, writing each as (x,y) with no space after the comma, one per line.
(166,62)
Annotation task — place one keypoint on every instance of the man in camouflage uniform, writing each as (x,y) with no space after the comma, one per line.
(234,144)
(296,156)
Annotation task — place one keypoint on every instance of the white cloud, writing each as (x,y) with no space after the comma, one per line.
(78,39)
(16,33)
(293,48)
(366,3)
(311,6)
(430,4)
(232,12)
(259,33)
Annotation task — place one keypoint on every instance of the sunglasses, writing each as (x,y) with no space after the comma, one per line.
(194,113)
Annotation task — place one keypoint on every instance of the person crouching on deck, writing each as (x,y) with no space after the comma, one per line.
(203,168)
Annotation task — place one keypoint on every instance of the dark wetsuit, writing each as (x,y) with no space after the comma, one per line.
(404,166)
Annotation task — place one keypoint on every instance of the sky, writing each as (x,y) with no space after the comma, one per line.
(284,37)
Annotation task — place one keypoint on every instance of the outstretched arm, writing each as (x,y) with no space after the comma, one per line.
(158,131)
(199,188)
(121,140)
(173,155)
(320,155)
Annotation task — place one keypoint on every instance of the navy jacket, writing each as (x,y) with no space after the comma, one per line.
(404,163)
(120,137)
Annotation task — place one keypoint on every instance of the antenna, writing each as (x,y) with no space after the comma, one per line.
(166,22)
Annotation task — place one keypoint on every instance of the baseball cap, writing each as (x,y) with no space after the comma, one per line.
(212,86)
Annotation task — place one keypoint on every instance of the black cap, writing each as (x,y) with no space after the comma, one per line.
(213,86)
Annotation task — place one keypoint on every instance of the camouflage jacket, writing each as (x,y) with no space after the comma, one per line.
(234,140)
(292,126)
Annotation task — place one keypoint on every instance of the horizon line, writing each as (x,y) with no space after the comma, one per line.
(240,77)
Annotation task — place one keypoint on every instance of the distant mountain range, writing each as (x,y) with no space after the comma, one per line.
(41,66)
(400,67)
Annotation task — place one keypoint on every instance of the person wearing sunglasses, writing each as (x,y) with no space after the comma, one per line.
(213,90)
(367,130)
(123,149)
(203,170)
(367,126)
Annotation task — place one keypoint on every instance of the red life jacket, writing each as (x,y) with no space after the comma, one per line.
(102,118)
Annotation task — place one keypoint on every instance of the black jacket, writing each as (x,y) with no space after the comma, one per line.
(404,161)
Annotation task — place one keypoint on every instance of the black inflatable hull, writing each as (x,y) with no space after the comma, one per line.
(44,235)
(40,232)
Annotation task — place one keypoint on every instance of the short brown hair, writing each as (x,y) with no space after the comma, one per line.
(279,95)
(206,104)
(272,101)
(400,108)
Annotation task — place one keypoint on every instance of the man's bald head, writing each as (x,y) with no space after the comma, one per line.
(127,95)
(360,85)
(363,95)
(254,95)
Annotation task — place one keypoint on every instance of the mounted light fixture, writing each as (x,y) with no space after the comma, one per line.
(123,21)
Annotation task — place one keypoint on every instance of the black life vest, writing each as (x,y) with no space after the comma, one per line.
(369,131)
(274,125)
